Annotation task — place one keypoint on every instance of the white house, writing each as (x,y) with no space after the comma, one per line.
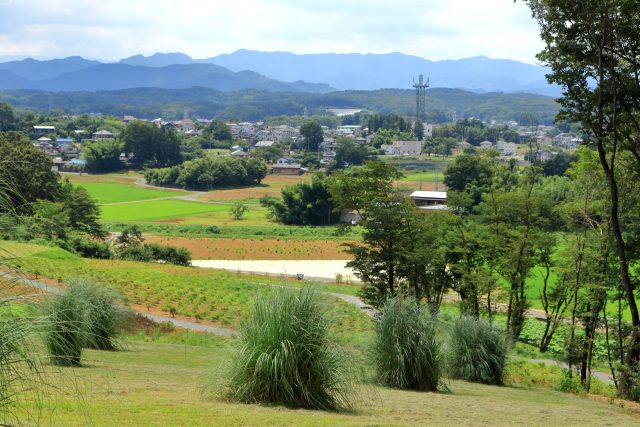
(403,148)
(507,148)
(430,200)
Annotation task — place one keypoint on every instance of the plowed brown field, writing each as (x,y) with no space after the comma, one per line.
(272,185)
(255,249)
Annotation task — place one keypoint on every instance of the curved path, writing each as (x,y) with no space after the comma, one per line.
(154,317)
(199,327)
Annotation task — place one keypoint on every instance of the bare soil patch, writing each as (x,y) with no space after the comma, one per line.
(272,185)
(255,249)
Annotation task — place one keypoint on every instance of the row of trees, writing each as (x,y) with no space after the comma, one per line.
(593,50)
(504,225)
(474,131)
(209,172)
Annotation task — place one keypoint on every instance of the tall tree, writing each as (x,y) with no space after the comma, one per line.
(313,135)
(593,49)
(151,145)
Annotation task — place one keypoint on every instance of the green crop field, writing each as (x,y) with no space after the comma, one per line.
(160,384)
(181,211)
(121,192)
(217,296)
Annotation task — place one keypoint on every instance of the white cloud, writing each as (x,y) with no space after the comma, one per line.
(113,29)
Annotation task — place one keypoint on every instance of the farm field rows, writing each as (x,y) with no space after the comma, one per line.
(181,211)
(219,297)
(255,249)
(159,384)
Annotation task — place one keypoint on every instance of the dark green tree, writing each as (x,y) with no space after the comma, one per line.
(26,172)
(593,48)
(312,134)
(418,130)
(8,120)
(103,156)
(303,204)
(151,145)
(350,153)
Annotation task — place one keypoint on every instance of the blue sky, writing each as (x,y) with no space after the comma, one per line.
(113,29)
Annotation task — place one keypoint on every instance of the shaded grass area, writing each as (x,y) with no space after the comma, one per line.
(219,297)
(158,384)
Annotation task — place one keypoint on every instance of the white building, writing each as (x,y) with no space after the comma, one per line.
(403,148)
(507,148)
(430,200)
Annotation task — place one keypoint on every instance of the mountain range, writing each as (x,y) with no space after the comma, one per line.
(275,71)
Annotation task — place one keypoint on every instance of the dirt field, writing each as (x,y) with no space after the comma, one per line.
(270,186)
(255,249)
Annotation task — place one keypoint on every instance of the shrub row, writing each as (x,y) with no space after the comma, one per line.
(285,354)
(209,172)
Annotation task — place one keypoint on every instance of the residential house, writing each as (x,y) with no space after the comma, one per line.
(264,144)
(102,134)
(430,200)
(486,145)
(507,148)
(44,129)
(239,153)
(286,166)
(403,148)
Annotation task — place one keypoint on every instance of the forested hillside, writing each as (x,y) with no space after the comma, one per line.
(254,105)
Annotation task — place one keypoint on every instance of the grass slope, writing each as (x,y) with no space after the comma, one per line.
(156,384)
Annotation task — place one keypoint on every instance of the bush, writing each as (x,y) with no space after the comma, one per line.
(477,351)
(85,317)
(154,252)
(104,319)
(66,333)
(285,355)
(405,352)
(88,248)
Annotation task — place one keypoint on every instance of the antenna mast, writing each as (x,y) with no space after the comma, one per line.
(421,96)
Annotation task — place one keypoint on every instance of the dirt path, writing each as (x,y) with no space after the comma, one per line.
(604,377)
(37,284)
(321,270)
(199,327)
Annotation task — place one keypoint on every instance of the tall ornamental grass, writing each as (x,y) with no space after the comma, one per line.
(477,351)
(66,332)
(86,316)
(285,355)
(104,318)
(19,367)
(405,352)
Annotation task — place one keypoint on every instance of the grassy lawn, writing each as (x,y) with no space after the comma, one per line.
(159,384)
(119,187)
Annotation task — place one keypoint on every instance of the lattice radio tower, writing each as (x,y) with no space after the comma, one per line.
(421,97)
